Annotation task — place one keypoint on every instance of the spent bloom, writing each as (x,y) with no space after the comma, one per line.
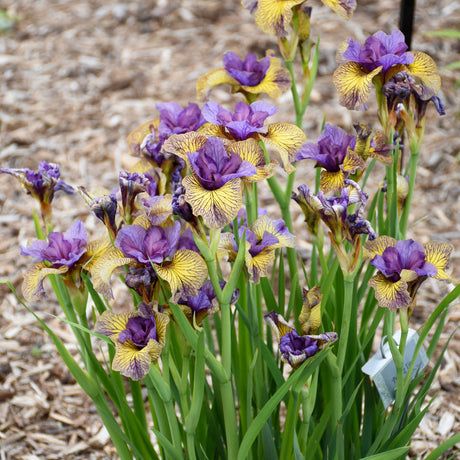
(402,267)
(58,255)
(139,338)
(275,16)
(249,76)
(294,348)
(381,57)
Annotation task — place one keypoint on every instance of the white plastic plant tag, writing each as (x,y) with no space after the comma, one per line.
(382,369)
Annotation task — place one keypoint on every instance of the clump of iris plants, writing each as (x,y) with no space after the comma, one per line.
(234,346)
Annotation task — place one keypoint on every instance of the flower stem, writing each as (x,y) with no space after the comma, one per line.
(346,318)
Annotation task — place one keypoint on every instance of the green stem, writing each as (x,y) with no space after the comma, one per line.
(346,318)
(228,403)
(408,202)
(295,95)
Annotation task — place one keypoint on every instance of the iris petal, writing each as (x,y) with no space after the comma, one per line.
(185,273)
(438,254)
(377,246)
(424,69)
(389,294)
(218,207)
(276,228)
(132,362)
(277,80)
(32,286)
(214,78)
(287,139)
(261,264)
(182,144)
(331,181)
(343,8)
(111,324)
(353,82)
(274,16)
(136,137)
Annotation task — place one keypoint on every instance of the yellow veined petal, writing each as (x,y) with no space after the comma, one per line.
(353,83)
(264,224)
(389,294)
(132,362)
(162,320)
(218,207)
(261,264)
(408,275)
(310,315)
(181,144)
(438,254)
(424,69)
(208,129)
(379,152)
(352,161)
(102,268)
(331,181)
(377,246)
(274,16)
(340,7)
(251,151)
(136,137)
(225,250)
(214,78)
(159,213)
(185,273)
(111,324)
(287,139)
(277,80)
(32,286)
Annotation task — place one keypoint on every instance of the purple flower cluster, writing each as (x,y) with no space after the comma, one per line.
(249,72)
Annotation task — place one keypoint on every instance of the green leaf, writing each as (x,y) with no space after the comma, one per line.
(389,455)
(444,33)
(444,447)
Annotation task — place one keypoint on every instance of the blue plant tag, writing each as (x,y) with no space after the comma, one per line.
(382,369)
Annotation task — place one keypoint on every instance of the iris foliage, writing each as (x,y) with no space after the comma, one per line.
(234,346)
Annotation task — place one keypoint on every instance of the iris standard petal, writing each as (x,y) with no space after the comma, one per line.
(185,273)
(353,83)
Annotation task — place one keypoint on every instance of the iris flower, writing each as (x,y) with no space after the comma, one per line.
(149,138)
(249,76)
(294,348)
(380,58)
(275,16)
(247,122)
(402,267)
(263,237)
(145,247)
(139,338)
(57,256)
(341,155)
(214,189)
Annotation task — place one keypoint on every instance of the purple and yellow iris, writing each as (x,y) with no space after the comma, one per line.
(214,189)
(402,267)
(247,123)
(149,138)
(248,76)
(139,338)
(377,61)
(275,16)
(154,251)
(56,256)
(263,237)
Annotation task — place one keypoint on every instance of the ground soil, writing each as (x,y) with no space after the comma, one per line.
(79,75)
